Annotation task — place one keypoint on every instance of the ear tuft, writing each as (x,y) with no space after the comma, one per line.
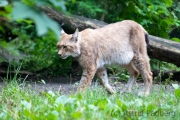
(75,35)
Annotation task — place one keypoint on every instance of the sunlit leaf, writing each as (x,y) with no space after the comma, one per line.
(51,93)
(26,104)
(63,100)
(138,102)
(151,107)
(177,93)
(59,3)
(168,2)
(121,104)
(175,86)
(3,3)
(76,114)
(42,22)
(175,39)
(102,104)
(43,81)
(92,107)
(73,1)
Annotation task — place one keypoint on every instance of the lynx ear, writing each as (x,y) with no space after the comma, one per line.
(62,31)
(75,35)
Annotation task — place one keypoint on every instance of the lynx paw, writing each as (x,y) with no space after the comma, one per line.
(112,91)
(125,90)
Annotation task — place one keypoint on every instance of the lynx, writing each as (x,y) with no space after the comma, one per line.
(122,43)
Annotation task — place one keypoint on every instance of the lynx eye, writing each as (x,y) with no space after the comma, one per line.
(58,46)
(64,47)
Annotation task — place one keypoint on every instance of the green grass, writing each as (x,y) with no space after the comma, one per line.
(19,102)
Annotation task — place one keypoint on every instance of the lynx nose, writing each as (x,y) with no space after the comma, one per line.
(59,54)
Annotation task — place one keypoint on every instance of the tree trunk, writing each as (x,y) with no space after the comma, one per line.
(158,48)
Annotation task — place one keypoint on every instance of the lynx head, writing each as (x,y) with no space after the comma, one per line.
(68,45)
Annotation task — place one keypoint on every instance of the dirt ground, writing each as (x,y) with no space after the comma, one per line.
(65,85)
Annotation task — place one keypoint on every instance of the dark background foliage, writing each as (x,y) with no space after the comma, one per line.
(25,34)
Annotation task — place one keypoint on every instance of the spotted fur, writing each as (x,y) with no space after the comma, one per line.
(122,43)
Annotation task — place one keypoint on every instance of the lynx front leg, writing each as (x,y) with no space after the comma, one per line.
(86,78)
(102,75)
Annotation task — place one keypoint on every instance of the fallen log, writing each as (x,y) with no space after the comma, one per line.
(158,48)
(164,50)
(166,75)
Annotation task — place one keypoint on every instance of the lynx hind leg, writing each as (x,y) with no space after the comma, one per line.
(143,66)
(134,73)
(102,75)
